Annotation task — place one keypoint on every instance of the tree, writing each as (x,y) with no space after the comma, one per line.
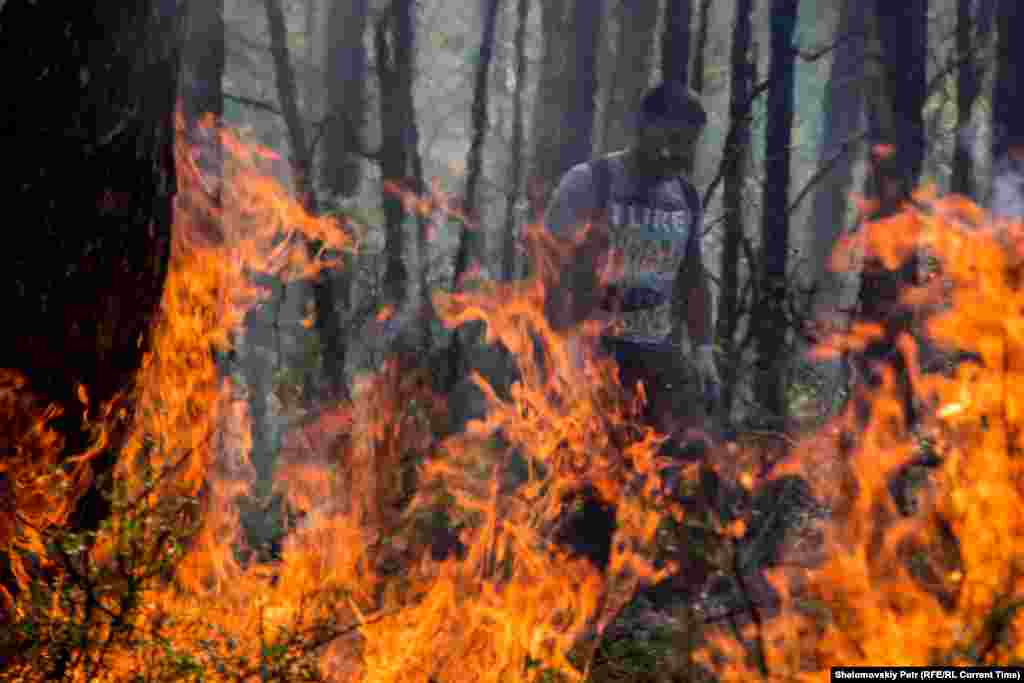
(843,114)
(345,84)
(518,139)
(770,316)
(902,31)
(203,63)
(345,70)
(89,115)
(1007,99)
(734,172)
(675,41)
(631,71)
(564,112)
(973,24)
(301,157)
(675,54)
(470,242)
(396,48)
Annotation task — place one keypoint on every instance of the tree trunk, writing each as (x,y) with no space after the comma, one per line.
(564,112)
(631,72)
(203,62)
(770,316)
(675,65)
(675,41)
(471,246)
(737,149)
(1008,98)
(903,33)
(973,25)
(395,35)
(346,95)
(300,158)
(518,141)
(88,120)
(843,114)
(346,69)
(1008,117)
(696,78)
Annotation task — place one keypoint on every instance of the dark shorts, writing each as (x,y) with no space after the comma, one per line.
(670,380)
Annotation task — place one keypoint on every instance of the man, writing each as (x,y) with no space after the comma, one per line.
(647,219)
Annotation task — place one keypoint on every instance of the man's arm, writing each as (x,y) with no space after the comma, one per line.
(695,286)
(577,292)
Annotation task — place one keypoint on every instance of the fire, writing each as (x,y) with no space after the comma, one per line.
(369,586)
(943,585)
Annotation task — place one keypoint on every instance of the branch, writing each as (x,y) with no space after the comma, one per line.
(824,170)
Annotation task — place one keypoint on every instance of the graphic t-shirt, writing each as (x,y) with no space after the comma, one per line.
(651,229)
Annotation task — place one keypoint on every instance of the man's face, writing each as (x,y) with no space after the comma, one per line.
(667,150)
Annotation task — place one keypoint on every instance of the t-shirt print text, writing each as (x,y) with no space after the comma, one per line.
(651,222)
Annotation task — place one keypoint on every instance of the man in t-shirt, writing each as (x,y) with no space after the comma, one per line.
(646,232)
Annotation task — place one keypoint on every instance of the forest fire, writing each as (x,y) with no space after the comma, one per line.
(359,592)
(943,586)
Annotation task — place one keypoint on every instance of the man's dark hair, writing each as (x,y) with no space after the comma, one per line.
(671,103)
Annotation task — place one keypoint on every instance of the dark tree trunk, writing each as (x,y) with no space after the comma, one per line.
(87,117)
(770,319)
(203,58)
(395,35)
(518,140)
(1008,116)
(579,115)
(630,73)
(1008,98)
(675,41)
(346,95)
(696,79)
(903,32)
(972,26)
(288,96)
(844,111)
(564,116)
(471,239)
(346,70)
(737,149)
(675,65)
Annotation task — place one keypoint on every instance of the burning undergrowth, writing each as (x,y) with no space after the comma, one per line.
(362,590)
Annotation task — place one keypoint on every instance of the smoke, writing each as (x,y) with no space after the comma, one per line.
(1008,187)
(1008,174)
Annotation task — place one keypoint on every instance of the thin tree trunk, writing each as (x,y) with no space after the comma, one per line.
(1008,97)
(471,241)
(88,113)
(1008,116)
(737,149)
(631,71)
(564,113)
(675,65)
(345,84)
(287,93)
(696,77)
(903,33)
(843,114)
(770,316)
(518,142)
(675,41)
(395,49)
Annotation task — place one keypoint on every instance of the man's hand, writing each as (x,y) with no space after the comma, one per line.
(707,372)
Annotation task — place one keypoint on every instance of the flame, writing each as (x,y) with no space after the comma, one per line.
(941,586)
(369,586)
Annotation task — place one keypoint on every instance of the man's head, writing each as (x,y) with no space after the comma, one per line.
(669,122)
